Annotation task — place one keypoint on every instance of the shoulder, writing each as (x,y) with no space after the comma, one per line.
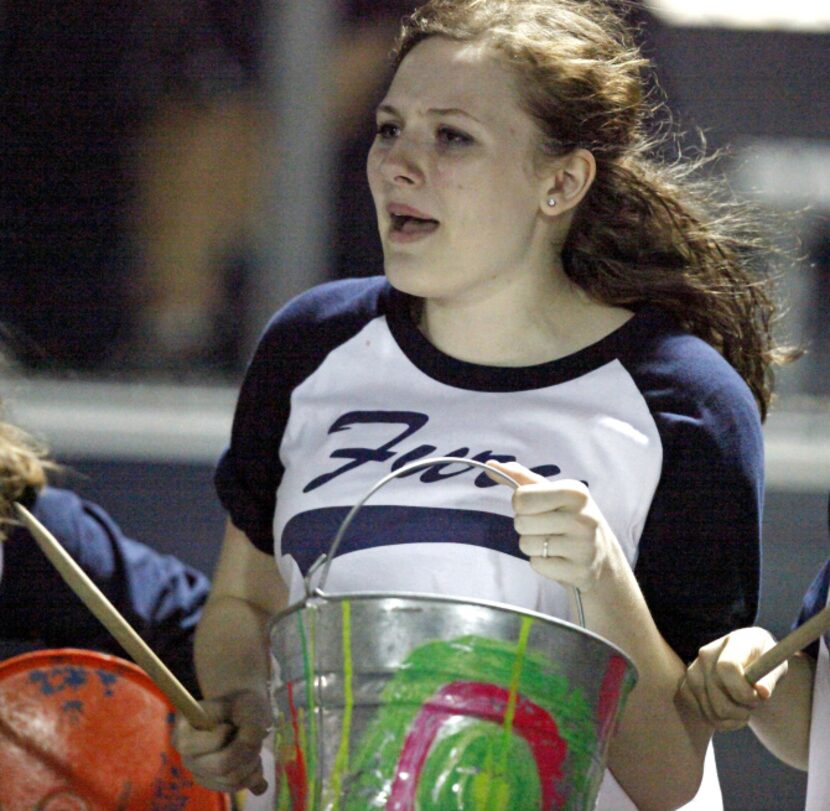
(67,516)
(302,333)
(346,302)
(689,387)
(678,371)
(84,530)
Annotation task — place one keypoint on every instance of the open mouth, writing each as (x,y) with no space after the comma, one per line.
(405,224)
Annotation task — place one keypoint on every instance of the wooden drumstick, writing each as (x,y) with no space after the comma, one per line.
(790,644)
(94,599)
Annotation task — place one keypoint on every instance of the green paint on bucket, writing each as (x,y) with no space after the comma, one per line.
(475,660)
(341,760)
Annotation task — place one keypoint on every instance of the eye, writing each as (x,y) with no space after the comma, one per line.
(453,137)
(386,130)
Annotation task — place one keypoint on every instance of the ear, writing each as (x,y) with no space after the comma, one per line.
(567,181)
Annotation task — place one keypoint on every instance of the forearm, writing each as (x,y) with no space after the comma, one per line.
(782,723)
(658,750)
(231,647)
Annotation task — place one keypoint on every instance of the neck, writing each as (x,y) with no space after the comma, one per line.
(523,326)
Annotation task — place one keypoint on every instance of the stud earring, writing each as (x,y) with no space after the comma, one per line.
(551,202)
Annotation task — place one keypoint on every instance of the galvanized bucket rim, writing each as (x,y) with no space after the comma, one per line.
(319,597)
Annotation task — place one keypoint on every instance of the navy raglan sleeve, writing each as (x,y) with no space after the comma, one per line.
(296,341)
(699,556)
(250,470)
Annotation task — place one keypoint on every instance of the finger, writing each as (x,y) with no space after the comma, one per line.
(741,649)
(248,707)
(730,703)
(218,710)
(692,694)
(190,741)
(251,736)
(228,770)
(544,497)
(561,570)
(241,719)
(255,780)
(765,686)
(256,784)
(696,690)
(697,683)
(562,548)
(731,680)
(725,708)
(515,471)
(538,494)
(548,523)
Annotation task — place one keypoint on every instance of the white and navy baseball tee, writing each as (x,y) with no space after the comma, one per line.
(344,388)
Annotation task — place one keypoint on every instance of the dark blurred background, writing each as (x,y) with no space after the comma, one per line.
(174,170)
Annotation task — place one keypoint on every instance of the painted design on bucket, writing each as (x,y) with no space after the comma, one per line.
(491,788)
(73,710)
(107,680)
(171,786)
(341,760)
(609,696)
(56,679)
(490,703)
(311,745)
(68,677)
(481,754)
(294,789)
(296,745)
(468,723)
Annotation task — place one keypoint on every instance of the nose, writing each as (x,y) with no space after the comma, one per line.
(403,163)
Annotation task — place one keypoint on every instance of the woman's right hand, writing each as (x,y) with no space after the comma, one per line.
(227,757)
(716,685)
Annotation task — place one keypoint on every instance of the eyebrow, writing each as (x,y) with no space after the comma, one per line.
(388,108)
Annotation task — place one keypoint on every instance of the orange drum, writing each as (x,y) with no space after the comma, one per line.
(83,731)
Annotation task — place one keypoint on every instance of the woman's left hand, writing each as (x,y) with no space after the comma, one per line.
(561,528)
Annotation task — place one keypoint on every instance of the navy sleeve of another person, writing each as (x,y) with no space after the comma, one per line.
(816,597)
(157,594)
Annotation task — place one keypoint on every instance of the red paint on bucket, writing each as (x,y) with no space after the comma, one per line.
(294,766)
(609,695)
(487,702)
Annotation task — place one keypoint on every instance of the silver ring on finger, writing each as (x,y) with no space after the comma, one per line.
(545,547)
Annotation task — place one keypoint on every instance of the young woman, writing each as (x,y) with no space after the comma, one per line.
(552,297)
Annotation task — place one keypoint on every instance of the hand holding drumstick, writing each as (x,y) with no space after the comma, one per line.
(746,678)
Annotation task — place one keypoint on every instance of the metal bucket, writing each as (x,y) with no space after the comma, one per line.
(411,701)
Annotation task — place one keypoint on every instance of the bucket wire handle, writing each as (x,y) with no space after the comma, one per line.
(325,560)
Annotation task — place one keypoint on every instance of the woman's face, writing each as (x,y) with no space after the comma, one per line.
(452,175)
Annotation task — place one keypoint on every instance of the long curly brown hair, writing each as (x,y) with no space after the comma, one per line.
(649,231)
